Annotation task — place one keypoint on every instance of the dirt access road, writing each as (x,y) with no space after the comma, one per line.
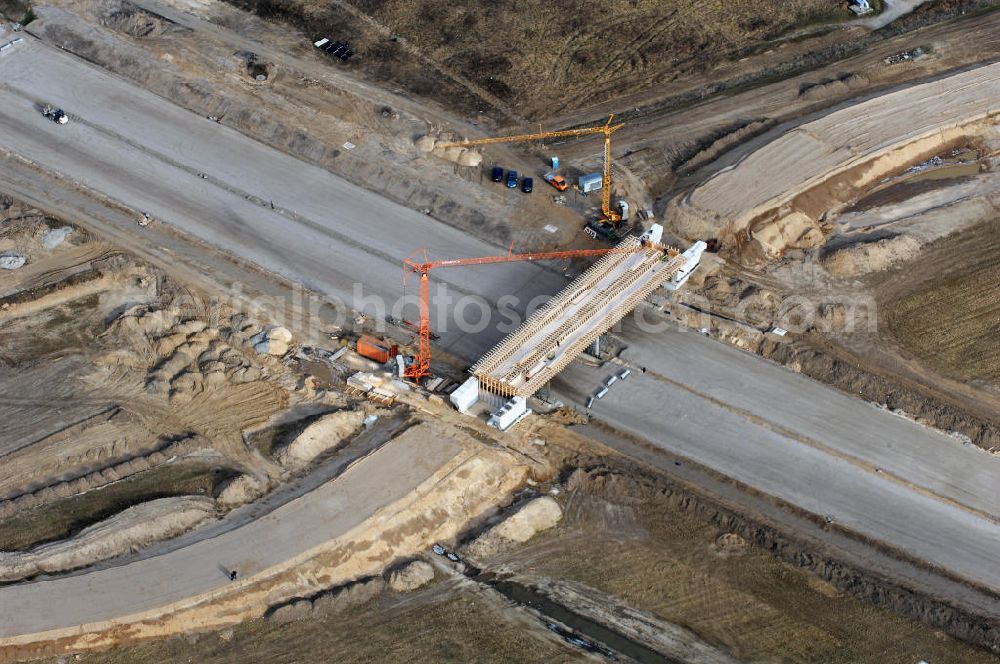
(337,239)
(893,128)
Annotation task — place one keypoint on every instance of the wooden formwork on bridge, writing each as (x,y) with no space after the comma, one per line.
(592,304)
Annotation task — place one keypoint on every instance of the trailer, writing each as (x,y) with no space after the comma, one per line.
(590,182)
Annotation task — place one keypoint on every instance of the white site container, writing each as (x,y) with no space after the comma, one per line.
(590,182)
(693,256)
(509,414)
(465,395)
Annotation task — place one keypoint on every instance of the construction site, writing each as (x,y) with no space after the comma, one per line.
(394,331)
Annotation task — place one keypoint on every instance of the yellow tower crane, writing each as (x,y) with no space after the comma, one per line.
(607,129)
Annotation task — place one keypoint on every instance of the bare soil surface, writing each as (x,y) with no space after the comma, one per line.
(441,624)
(68,516)
(124,386)
(959,339)
(644,553)
(696,100)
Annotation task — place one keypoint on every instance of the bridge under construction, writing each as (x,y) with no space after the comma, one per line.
(600,297)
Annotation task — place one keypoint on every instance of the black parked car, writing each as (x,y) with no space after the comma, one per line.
(527,184)
(497,174)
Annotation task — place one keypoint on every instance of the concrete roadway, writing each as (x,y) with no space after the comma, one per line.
(909,487)
(774,431)
(322,231)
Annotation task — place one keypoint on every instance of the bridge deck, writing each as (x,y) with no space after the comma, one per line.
(550,339)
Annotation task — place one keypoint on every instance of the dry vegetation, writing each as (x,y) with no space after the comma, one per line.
(16,10)
(622,540)
(546,57)
(950,318)
(457,626)
(618,537)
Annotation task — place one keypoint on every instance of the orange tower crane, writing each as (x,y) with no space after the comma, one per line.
(422,363)
(607,129)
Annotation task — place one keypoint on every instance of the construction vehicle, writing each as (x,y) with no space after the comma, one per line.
(57,115)
(610,217)
(376,349)
(418,367)
(557,181)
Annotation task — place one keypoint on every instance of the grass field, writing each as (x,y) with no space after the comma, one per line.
(545,57)
(432,626)
(950,317)
(745,601)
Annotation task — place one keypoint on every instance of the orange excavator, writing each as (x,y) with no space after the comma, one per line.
(419,366)
(610,216)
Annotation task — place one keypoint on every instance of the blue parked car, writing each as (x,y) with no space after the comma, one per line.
(527,185)
(512,179)
(497,174)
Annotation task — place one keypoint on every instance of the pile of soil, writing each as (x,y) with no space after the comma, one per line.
(326,433)
(866,257)
(127,531)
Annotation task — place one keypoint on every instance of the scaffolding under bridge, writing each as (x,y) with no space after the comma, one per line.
(534,353)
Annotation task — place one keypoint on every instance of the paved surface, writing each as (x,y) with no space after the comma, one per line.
(332,509)
(323,232)
(807,444)
(768,428)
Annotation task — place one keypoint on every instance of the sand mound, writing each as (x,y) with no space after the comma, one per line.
(127,531)
(322,435)
(411,576)
(459,155)
(291,612)
(538,515)
(338,599)
(274,341)
(329,602)
(792,231)
(55,236)
(832,88)
(870,257)
(729,544)
(470,158)
(426,143)
(240,490)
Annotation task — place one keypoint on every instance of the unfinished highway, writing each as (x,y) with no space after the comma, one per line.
(906,486)
(771,430)
(256,203)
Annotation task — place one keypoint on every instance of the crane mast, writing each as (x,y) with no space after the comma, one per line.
(421,364)
(606,129)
